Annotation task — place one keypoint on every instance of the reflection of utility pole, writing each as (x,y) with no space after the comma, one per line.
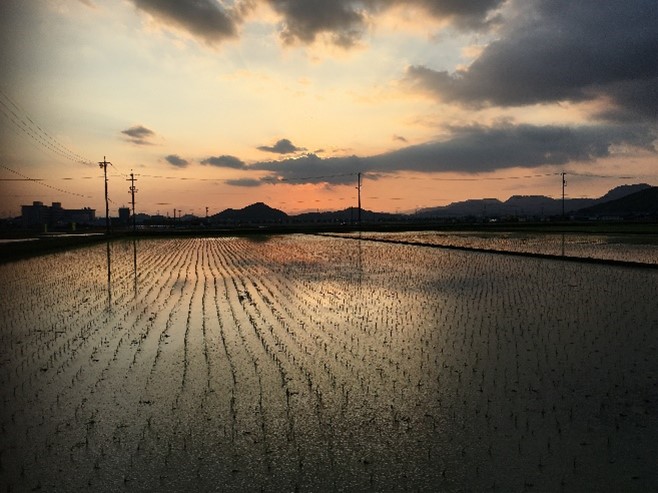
(132,189)
(564,184)
(358,188)
(103,164)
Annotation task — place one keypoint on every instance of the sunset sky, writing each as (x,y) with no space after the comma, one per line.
(222,104)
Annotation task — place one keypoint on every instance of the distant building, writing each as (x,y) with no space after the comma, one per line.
(124,215)
(39,215)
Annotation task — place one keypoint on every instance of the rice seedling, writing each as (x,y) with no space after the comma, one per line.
(317,363)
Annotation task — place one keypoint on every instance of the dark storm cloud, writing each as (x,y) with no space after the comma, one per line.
(560,50)
(283,146)
(224,161)
(206,19)
(345,20)
(176,160)
(471,149)
(482,149)
(635,99)
(139,135)
(465,14)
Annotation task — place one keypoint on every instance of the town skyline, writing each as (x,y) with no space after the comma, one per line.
(224,104)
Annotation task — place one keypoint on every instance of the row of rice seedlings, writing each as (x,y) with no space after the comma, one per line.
(315,327)
(40,396)
(306,435)
(533,343)
(84,338)
(535,336)
(453,375)
(143,376)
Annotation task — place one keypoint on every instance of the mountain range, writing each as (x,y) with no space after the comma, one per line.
(531,205)
(638,200)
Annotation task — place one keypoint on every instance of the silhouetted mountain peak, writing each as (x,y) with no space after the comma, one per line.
(623,191)
(641,203)
(254,213)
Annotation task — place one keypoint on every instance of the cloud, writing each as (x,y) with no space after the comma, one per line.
(472,149)
(344,21)
(304,20)
(466,14)
(283,146)
(224,161)
(139,135)
(559,50)
(204,19)
(176,160)
(311,168)
(477,148)
(244,182)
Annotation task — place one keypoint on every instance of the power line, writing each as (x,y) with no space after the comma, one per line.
(133,190)
(103,164)
(590,175)
(564,184)
(307,178)
(21,179)
(23,122)
(39,181)
(119,171)
(497,178)
(358,188)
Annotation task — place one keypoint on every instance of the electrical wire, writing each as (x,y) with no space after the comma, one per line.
(22,122)
(39,181)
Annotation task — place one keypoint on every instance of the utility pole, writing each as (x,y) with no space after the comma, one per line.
(132,189)
(564,184)
(103,164)
(358,188)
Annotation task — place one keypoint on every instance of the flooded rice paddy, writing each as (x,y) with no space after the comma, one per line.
(640,248)
(325,364)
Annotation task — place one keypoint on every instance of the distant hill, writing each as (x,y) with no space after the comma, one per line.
(349,215)
(622,191)
(642,203)
(525,205)
(258,213)
(517,205)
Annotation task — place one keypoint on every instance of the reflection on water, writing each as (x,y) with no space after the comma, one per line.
(117,254)
(109,276)
(135,265)
(311,364)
